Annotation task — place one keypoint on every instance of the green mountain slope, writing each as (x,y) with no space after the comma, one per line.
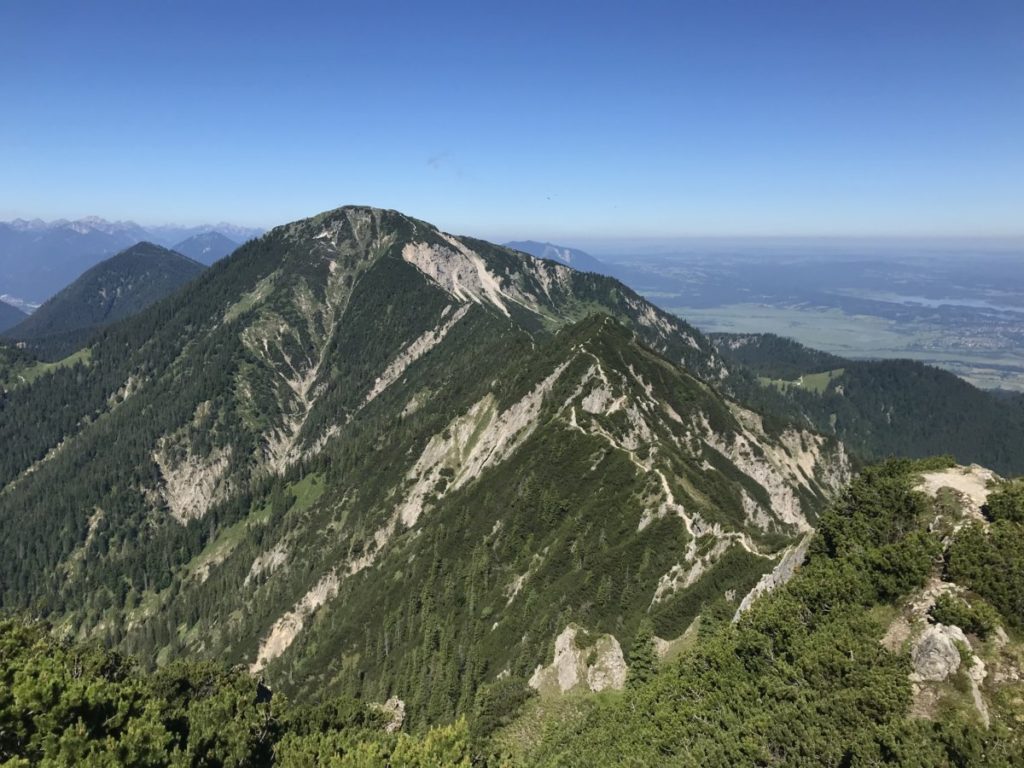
(897,642)
(878,652)
(878,408)
(114,289)
(361,455)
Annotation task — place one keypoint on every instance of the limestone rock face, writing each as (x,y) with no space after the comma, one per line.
(779,575)
(582,664)
(935,655)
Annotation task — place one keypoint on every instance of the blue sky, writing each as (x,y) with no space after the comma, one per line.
(549,120)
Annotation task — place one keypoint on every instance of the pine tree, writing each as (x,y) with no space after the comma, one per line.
(643,659)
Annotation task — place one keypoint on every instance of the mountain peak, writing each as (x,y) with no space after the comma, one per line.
(411,395)
(122,285)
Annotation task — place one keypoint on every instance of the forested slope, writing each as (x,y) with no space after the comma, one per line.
(877,408)
(847,664)
(363,456)
(114,289)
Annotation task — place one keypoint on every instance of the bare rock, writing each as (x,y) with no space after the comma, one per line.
(935,655)
(581,664)
(394,710)
(779,575)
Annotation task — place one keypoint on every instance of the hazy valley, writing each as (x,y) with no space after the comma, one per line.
(955,304)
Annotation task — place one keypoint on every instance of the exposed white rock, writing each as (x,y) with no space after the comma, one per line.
(682,576)
(935,655)
(596,667)
(270,337)
(756,515)
(457,269)
(414,351)
(779,575)
(779,469)
(480,438)
(287,628)
(971,482)
(394,709)
(268,562)
(191,485)
(921,601)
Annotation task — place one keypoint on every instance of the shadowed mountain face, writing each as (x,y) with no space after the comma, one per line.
(206,247)
(117,288)
(39,258)
(10,316)
(360,454)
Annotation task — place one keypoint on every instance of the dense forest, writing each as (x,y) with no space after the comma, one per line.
(115,289)
(64,704)
(803,678)
(878,408)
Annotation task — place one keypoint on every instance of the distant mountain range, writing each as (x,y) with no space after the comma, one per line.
(114,289)
(38,258)
(571,257)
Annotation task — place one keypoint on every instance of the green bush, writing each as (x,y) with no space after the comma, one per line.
(1006,503)
(978,618)
(991,563)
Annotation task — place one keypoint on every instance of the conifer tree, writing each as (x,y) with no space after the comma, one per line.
(643,659)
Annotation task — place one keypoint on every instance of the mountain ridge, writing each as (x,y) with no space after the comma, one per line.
(879,408)
(320,415)
(116,288)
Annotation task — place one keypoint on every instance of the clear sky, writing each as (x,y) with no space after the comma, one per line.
(522,119)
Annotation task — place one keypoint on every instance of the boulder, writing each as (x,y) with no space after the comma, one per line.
(935,654)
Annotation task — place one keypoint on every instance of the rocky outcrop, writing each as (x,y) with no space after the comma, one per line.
(394,710)
(480,438)
(779,575)
(972,483)
(415,350)
(935,655)
(287,628)
(192,484)
(582,663)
